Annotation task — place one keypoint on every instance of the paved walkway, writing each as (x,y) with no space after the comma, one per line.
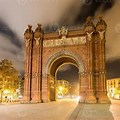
(60,110)
(92,112)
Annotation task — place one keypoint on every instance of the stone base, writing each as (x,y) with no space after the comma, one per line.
(90,99)
(24,102)
(46,100)
(96,111)
(31,102)
(82,99)
(104,99)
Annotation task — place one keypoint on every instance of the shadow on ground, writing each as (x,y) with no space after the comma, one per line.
(92,112)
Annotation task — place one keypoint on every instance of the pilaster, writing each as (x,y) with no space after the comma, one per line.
(45,88)
(90,30)
(28,36)
(37,65)
(82,86)
(102,92)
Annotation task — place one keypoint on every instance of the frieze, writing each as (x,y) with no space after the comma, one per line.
(64,41)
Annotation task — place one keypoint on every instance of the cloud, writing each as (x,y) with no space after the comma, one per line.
(79,11)
(113,68)
(9,33)
(10,51)
(68,72)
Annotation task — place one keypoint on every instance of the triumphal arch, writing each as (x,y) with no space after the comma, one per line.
(46,52)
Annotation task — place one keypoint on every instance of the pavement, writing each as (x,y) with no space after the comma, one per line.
(92,112)
(68,109)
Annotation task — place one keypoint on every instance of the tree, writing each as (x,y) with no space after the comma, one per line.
(9,77)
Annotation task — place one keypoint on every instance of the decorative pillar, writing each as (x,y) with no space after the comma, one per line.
(96,65)
(28,36)
(102,92)
(90,31)
(52,88)
(82,86)
(45,88)
(37,65)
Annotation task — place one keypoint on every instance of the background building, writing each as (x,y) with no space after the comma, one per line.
(66,90)
(62,88)
(21,87)
(113,88)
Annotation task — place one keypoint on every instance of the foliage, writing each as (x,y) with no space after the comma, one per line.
(117,90)
(62,90)
(9,76)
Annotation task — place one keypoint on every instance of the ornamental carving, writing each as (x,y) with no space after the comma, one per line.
(37,41)
(38,34)
(89,35)
(73,55)
(27,42)
(63,31)
(102,34)
(28,35)
(64,41)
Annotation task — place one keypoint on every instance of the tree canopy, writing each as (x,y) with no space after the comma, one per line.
(9,76)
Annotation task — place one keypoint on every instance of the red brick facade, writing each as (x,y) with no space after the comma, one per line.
(45,52)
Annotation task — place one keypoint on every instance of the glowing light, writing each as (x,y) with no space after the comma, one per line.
(78,98)
(61,88)
(20,96)
(6,91)
(17,90)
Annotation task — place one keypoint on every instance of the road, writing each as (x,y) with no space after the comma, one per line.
(60,110)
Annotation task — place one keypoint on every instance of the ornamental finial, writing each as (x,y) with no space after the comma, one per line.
(101,21)
(63,31)
(29,29)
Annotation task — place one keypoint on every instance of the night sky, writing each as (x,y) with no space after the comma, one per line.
(15,15)
(68,72)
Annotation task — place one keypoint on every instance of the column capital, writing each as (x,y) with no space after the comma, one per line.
(89,29)
(101,27)
(38,35)
(28,35)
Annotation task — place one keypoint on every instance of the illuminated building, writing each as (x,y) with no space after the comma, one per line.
(113,88)
(62,88)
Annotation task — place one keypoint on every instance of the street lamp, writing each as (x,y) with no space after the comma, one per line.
(61,88)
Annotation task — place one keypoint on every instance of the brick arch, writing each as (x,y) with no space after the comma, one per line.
(84,47)
(78,60)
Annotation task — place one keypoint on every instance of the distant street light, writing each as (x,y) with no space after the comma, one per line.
(61,88)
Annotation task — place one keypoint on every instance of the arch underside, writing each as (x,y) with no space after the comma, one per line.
(59,62)
(53,65)
(62,57)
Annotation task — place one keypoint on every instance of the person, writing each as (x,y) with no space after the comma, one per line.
(5,98)
(10,99)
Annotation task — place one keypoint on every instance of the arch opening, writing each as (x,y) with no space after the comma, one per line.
(67,81)
(66,87)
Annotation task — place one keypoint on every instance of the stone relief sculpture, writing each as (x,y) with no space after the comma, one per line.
(102,34)
(27,41)
(63,31)
(38,33)
(65,41)
(89,35)
(89,28)
(101,27)
(28,35)
(37,41)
